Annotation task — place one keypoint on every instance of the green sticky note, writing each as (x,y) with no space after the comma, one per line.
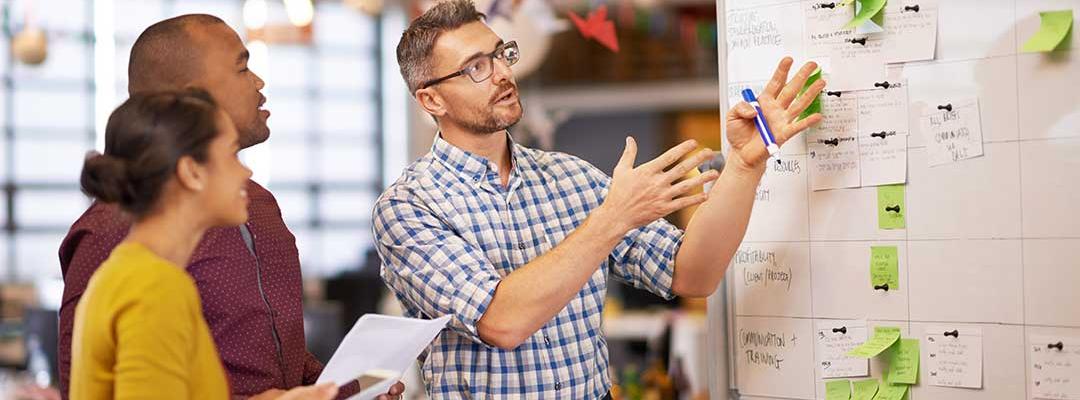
(1052,32)
(891,207)
(891,392)
(884,268)
(869,9)
(884,337)
(904,363)
(815,107)
(838,390)
(864,389)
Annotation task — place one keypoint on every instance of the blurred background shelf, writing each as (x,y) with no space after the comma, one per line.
(628,97)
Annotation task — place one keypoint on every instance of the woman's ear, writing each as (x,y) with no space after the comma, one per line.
(431,102)
(190,174)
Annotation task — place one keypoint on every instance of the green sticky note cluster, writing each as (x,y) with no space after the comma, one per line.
(904,362)
(868,10)
(1054,27)
(884,268)
(864,389)
(902,356)
(891,207)
(815,107)
(884,337)
(838,390)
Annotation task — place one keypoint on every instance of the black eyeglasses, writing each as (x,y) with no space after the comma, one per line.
(480,68)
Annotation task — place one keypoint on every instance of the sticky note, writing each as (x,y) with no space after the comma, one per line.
(891,392)
(1053,30)
(868,9)
(814,107)
(884,268)
(838,390)
(864,389)
(904,362)
(891,207)
(884,337)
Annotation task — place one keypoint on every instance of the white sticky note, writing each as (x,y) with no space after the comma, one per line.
(883,133)
(1055,367)
(833,147)
(911,30)
(825,27)
(834,339)
(857,63)
(953,131)
(954,357)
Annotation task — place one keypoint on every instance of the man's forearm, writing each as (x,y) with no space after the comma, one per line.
(715,231)
(532,295)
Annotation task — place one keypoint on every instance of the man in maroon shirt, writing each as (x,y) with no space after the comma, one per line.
(248,277)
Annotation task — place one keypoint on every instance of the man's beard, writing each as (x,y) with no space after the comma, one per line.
(490,122)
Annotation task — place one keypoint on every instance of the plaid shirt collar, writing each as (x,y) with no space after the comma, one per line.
(476,168)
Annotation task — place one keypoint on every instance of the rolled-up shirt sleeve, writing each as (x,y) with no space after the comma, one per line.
(430,268)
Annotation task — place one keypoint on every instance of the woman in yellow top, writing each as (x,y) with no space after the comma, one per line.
(171,162)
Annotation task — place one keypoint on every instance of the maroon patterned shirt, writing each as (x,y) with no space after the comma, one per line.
(253,305)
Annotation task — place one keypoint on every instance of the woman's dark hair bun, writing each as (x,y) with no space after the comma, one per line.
(105,178)
(144,139)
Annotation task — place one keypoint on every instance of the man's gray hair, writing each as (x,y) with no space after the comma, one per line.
(417,42)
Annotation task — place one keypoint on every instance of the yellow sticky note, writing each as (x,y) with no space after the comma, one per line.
(884,337)
(891,207)
(1053,30)
(838,390)
(864,389)
(884,268)
(891,392)
(904,363)
(869,9)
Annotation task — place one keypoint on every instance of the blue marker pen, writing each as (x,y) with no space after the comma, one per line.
(762,126)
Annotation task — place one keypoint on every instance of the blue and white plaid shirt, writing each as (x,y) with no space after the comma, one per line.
(448,232)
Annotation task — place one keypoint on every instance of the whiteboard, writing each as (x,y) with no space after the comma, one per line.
(990,243)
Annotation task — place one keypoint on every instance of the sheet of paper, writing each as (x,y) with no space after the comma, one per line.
(1055,367)
(884,268)
(904,362)
(954,357)
(891,392)
(884,337)
(953,131)
(380,343)
(838,390)
(834,340)
(883,131)
(833,146)
(865,10)
(911,32)
(864,389)
(891,207)
(1054,27)
(857,63)
(825,26)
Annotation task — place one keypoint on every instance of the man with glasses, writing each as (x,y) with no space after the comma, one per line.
(516,243)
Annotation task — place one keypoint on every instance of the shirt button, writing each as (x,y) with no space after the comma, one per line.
(547,340)
(521,245)
(558,385)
